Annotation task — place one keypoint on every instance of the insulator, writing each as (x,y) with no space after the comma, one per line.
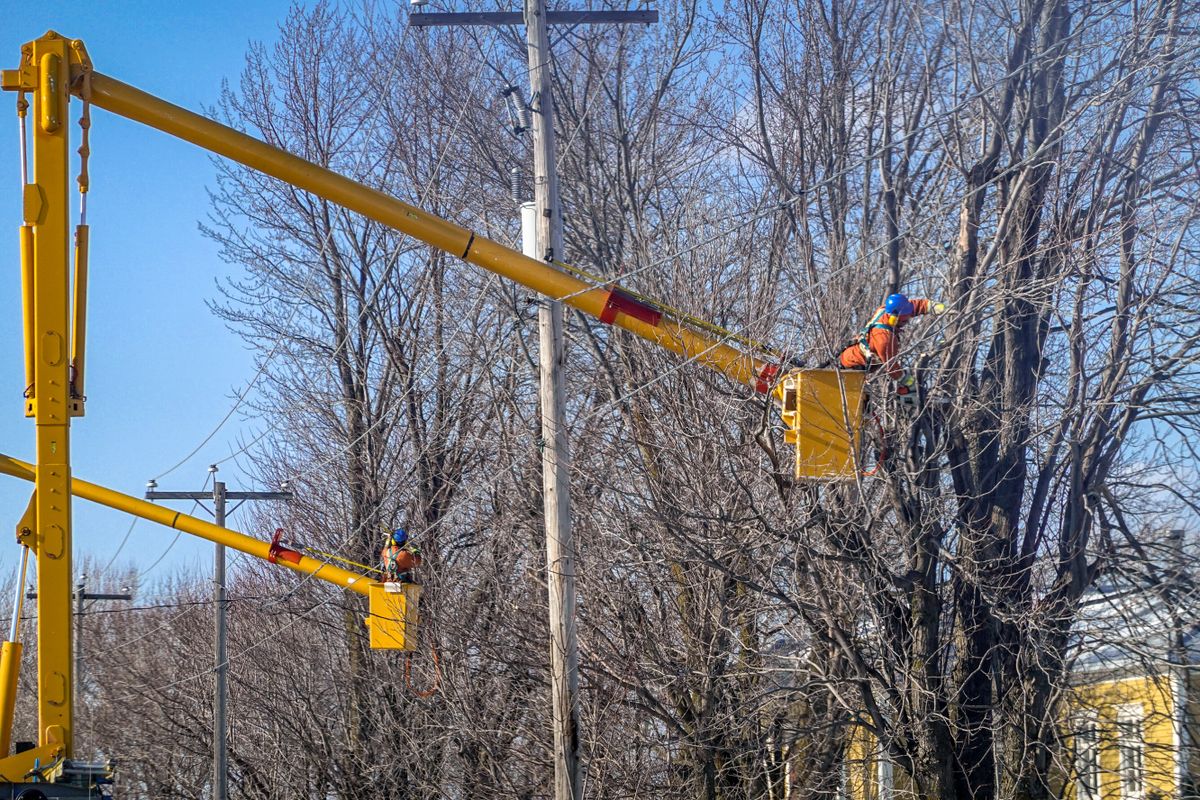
(514,184)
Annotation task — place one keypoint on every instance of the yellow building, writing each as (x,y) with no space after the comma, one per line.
(1127,725)
(1127,731)
(1124,740)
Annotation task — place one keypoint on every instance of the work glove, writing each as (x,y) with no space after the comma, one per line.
(906,389)
(939,307)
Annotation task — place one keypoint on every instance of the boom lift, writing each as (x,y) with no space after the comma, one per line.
(820,407)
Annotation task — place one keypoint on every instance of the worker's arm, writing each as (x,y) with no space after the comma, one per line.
(922,305)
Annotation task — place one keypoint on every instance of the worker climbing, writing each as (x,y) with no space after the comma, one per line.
(878,344)
(399,557)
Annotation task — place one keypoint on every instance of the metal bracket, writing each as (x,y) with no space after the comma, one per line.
(16,768)
(278,551)
(33,204)
(620,302)
(28,524)
(25,78)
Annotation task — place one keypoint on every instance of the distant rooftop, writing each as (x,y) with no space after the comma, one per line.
(1134,618)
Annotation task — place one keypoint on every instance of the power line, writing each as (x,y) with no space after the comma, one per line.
(678,253)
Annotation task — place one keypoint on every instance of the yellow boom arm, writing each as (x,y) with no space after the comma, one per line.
(610,305)
(258,548)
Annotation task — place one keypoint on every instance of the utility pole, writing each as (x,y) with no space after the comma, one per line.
(556,453)
(556,457)
(79,591)
(81,596)
(219,496)
(221,688)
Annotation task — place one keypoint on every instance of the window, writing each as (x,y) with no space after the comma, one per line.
(1131,751)
(1087,760)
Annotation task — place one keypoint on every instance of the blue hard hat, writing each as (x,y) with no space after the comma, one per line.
(899,305)
(399,536)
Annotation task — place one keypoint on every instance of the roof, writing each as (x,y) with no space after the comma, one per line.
(1128,622)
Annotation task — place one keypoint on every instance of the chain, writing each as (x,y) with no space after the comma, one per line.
(22,109)
(85,124)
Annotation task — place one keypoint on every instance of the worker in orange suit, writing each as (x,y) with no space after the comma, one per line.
(879,342)
(399,557)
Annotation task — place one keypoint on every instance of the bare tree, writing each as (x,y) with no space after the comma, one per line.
(775,167)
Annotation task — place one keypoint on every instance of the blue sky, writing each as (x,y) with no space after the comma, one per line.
(162,370)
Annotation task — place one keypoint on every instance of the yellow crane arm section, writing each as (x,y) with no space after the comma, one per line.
(610,305)
(258,548)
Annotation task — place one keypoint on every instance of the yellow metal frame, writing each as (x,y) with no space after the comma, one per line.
(54,67)
(283,556)
(10,672)
(392,620)
(47,66)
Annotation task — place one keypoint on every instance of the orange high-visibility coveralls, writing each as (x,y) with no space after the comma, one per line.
(398,560)
(878,344)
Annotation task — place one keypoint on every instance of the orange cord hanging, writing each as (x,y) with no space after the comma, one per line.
(437,674)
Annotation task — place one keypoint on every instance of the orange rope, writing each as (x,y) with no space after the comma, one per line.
(437,674)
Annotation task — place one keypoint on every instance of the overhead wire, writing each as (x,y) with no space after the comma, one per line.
(241,397)
(773,207)
(726,335)
(275,631)
(390,261)
(668,309)
(763,209)
(178,533)
(393,68)
(673,368)
(678,364)
(699,323)
(26,616)
(143,572)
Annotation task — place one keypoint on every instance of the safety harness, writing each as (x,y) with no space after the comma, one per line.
(865,336)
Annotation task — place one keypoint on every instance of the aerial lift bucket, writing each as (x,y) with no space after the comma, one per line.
(822,409)
(392,621)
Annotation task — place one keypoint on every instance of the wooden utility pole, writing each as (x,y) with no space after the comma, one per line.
(220,614)
(556,457)
(220,621)
(556,453)
(82,595)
